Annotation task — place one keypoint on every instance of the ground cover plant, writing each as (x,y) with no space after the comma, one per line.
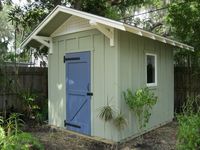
(188,136)
(13,138)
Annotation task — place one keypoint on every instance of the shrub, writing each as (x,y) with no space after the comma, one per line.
(13,123)
(141,103)
(11,138)
(189,125)
(29,101)
(2,135)
(42,114)
(188,132)
(120,121)
(108,114)
(22,141)
(33,109)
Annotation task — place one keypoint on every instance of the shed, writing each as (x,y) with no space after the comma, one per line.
(92,60)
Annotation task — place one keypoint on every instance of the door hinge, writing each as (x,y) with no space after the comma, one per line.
(70,59)
(70,124)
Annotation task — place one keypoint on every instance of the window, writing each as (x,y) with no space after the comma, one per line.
(151,69)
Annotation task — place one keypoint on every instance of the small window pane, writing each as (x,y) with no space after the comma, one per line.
(150,69)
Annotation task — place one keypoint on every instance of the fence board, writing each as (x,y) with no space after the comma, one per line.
(186,84)
(27,78)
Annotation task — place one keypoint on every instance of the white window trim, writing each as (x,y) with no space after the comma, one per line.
(151,84)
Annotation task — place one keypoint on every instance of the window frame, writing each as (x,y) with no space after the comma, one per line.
(156,72)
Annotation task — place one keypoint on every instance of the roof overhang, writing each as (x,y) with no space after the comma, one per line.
(41,35)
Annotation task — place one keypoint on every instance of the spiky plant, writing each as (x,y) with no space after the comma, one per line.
(106,113)
(120,121)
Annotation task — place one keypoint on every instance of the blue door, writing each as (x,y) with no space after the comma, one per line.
(78,92)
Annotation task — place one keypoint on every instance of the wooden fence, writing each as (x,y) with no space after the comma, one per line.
(186,84)
(13,81)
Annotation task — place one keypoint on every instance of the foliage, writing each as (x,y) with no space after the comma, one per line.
(29,101)
(26,18)
(151,17)
(2,135)
(141,103)
(188,125)
(13,124)
(12,138)
(6,30)
(191,106)
(106,113)
(120,121)
(188,132)
(22,141)
(1,120)
(32,110)
(42,114)
(114,9)
(184,18)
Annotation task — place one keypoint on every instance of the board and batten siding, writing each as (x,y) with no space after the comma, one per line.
(104,78)
(113,70)
(132,75)
(73,24)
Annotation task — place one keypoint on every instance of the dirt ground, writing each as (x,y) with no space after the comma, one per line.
(163,138)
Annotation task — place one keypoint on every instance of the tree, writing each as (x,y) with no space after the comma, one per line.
(113,9)
(185,21)
(26,18)
(6,32)
(151,17)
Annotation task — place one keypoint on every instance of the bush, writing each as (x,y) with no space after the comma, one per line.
(189,125)
(42,115)
(188,132)
(29,101)
(141,103)
(12,138)
(32,108)
(22,141)
(2,135)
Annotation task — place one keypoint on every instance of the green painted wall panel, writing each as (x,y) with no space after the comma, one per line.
(113,70)
(52,82)
(72,44)
(84,42)
(104,82)
(133,76)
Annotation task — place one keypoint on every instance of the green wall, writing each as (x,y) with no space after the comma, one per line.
(132,75)
(113,70)
(103,78)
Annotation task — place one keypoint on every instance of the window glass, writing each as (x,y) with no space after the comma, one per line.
(151,69)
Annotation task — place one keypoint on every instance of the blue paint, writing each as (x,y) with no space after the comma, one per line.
(78,83)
